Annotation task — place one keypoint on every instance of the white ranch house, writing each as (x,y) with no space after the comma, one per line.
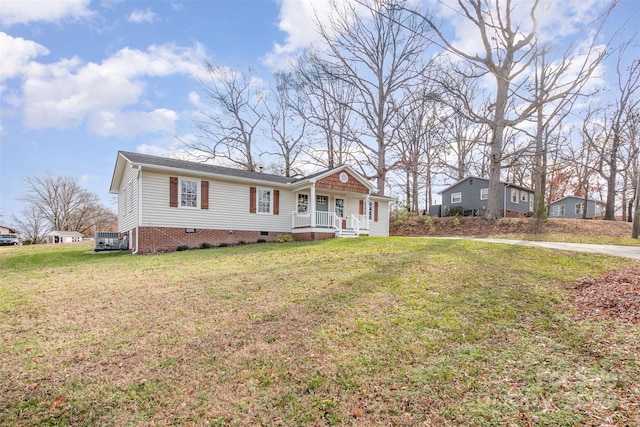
(164,203)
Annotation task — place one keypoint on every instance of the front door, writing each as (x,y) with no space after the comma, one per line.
(322,211)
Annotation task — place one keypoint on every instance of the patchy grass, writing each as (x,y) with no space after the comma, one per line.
(371,331)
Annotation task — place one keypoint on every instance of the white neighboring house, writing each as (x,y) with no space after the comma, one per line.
(165,203)
(56,237)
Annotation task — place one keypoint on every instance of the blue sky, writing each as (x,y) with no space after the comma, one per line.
(81,79)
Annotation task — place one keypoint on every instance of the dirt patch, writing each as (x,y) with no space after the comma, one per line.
(614,295)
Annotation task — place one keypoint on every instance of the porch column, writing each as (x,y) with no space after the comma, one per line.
(312,205)
(366,210)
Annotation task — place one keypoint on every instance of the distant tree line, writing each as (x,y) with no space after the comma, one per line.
(387,91)
(54,202)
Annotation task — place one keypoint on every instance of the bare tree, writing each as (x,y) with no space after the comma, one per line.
(618,116)
(286,129)
(555,87)
(31,224)
(508,51)
(227,132)
(420,141)
(468,139)
(327,109)
(60,203)
(377,51)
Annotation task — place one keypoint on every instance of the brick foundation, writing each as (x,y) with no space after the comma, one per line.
(305,237)
(166,239)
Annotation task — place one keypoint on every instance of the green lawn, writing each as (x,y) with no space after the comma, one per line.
(377,331)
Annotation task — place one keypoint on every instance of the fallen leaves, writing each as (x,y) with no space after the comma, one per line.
(614,295)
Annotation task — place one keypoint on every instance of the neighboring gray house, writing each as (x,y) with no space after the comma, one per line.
(573,207)
(472,193)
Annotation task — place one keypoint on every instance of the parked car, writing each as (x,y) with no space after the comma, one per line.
(10,240)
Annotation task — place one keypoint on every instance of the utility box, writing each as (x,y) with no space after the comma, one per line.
(108,241)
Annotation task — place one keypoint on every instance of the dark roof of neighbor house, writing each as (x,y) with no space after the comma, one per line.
(579,198)
(485,179)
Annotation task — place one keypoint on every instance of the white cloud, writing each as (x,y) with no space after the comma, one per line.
(142,16)
(298,20)
(16,55)
(25,11)
(106,96)
(128,123)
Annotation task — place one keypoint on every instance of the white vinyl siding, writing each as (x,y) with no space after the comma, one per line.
(456,197)
(381,226)
(228,207)
(128,199)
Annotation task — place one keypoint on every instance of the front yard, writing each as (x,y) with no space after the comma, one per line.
(375,331)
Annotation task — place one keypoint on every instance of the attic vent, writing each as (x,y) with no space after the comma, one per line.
(108,241)
(470,181)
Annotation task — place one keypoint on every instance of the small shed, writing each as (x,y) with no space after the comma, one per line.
(56,237)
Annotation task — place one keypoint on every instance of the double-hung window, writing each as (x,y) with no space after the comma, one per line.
(579,208)
(340,208)
(484,193)
(557,210)
(523,196)
(514,195)
(189,197)
(456,197)
(303,203)
(264,200)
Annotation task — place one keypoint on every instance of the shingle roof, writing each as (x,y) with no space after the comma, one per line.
(164,162)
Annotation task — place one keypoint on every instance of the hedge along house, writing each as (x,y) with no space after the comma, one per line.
(470,196)
(574,207)
(165,203)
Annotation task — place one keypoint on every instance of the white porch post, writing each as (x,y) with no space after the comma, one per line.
(312,205)
(366,210)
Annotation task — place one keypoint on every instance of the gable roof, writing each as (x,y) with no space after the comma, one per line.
(484,179)
(579,198)
(177,166)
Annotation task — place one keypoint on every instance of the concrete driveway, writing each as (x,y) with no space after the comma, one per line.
(614,250)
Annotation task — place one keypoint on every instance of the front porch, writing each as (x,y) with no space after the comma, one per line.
(319,225)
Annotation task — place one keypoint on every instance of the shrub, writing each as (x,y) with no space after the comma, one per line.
(261,241)
(426,219)
(223,245)
(241,242)
(453,211)
(284,238)
(182,248)
(456,222)
(205,245)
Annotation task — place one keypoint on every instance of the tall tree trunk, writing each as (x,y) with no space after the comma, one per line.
(610,210)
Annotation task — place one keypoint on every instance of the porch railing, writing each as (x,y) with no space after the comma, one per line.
(353,222)
(329,220)
(300,219)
